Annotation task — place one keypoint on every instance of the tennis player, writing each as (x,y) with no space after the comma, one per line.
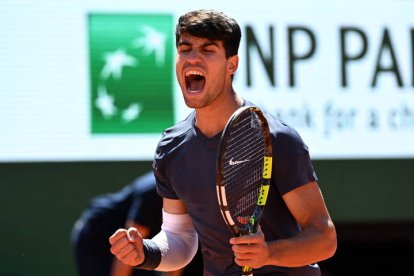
(296,230)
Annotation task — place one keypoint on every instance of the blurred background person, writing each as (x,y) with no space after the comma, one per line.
(136,205)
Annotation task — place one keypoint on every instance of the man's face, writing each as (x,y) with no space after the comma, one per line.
(202,70)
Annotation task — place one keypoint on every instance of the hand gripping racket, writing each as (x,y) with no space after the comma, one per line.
(244,166)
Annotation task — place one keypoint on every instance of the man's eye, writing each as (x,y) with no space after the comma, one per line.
(183,49)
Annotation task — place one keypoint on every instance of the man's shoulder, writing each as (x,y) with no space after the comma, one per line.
(182,126)
(176,134)
(284,136)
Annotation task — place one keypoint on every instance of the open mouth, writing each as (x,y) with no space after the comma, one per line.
(194,81)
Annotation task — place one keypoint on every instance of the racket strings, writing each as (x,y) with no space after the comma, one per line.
(243,163)
(244,142)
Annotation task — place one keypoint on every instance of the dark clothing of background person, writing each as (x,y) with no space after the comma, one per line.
(138,202)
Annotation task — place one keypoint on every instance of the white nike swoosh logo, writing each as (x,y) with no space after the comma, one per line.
(232,163)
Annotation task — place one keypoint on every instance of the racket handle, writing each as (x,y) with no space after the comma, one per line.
(247,271)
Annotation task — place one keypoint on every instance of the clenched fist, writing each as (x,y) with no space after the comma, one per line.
(127,246)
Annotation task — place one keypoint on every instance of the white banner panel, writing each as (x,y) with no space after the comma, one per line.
(341,73)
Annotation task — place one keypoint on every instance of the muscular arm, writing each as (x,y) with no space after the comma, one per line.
(120,269)
(316,241)
(176,243)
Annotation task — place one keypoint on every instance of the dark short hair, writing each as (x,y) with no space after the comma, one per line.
(212,25)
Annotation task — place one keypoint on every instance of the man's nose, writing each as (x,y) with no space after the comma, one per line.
(194,56)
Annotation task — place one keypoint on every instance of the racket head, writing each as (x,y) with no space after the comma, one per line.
(244,164)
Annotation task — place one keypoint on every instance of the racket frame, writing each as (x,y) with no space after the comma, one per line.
(254,220)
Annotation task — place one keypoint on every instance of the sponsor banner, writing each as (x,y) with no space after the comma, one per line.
(131,65)
(93,81)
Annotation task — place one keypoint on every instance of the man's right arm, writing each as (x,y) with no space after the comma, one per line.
(177,240)
(174,206)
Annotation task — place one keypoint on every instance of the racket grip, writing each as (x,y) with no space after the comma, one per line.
(247,271)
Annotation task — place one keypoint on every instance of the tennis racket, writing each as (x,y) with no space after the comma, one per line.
(244,167)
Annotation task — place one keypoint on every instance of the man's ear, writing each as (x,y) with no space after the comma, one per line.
(233,64)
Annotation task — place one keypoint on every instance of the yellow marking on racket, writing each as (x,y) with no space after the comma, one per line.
(264,190)
(267,167)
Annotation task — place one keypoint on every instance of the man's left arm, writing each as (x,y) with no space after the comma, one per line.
(316,241)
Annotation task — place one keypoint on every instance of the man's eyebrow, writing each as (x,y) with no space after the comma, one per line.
(210,43)
(184,42)
(206,44)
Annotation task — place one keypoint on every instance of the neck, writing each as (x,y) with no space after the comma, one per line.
(212,119)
